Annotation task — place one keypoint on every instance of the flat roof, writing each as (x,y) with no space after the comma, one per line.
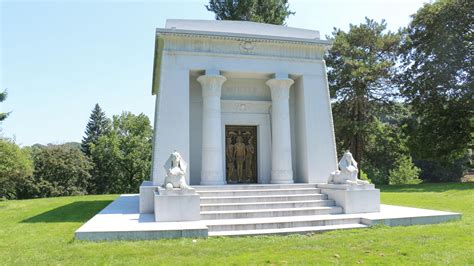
(232,28)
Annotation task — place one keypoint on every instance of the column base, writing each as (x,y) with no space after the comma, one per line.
(211,178)
(282,182)
(282,177)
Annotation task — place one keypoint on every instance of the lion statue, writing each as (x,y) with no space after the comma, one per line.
(348,171)
(175,168)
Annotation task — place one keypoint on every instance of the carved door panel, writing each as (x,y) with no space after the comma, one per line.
(241,154)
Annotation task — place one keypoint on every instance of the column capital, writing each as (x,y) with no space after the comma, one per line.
(211,84)
(280,88)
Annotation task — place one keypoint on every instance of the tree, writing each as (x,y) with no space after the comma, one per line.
(263,11)
(123,155)
(361,64)
(59,171)
(404,172)
(436,79)
(15,166)
(3,97)
(98,125)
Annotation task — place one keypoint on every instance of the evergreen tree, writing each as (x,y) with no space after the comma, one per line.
(3,97)
(98,125)
(361,64)
(263,11)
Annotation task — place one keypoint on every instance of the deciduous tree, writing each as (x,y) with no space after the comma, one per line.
(437,56)
(15,166)
(123,155)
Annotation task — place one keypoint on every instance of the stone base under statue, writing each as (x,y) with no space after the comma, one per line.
(176,205)
(362,198)
(147,197)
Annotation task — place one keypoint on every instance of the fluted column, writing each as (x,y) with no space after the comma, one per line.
(282,171)
(212,172)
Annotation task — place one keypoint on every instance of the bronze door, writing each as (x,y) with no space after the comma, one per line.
(241,154)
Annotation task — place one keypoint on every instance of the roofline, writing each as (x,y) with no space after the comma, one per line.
(165,31)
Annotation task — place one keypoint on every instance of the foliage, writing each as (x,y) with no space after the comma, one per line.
(405,172)
(41,232)
(436,79)
(361,64)
(3,97)
(98,125)
(15,166)
(123,155)
(436,171)
(263,11)
(386,143)
(58,171)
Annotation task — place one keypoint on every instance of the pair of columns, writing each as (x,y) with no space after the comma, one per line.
(212,172)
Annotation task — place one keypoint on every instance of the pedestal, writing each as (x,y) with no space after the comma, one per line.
(353,198)
(147,197)
(177,205)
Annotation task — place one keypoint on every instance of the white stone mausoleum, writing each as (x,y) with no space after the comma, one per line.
(244,142)
(213,74)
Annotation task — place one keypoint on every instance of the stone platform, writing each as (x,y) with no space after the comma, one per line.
(239,210)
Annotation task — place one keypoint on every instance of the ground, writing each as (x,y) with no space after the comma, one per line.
(41,231)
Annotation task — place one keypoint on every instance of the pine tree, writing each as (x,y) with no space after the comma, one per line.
(361,64)
(98,125)
(3,96)
(263,11)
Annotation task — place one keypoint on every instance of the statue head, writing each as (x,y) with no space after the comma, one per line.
(239,139)
(347,160)
(175,160)
(229,141)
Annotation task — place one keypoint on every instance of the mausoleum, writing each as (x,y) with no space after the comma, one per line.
(217,82)
(244,142)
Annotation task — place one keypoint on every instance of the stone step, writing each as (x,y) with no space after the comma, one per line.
(240,214)
(280,222)
(265,205)
(293,230)
(253,186)
(262,198)
(247,192)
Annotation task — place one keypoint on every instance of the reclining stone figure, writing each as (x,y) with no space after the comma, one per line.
(348,172)
(175,168)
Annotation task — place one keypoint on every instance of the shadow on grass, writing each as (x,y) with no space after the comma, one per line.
(427,187)
(79,211)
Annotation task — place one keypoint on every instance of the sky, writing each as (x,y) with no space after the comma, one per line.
(59,58)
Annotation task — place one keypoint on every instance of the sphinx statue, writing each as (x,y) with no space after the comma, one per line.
(175,168)
(348,172)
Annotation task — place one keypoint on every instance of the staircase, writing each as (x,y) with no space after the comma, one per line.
(238,210)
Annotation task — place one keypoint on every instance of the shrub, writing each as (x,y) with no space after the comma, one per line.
(405,172)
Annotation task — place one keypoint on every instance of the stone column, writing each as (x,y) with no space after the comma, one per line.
(212,172)
(282,171)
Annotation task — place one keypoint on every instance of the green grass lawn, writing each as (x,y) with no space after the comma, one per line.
(41,231)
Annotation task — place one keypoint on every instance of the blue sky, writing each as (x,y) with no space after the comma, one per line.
(59,58)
